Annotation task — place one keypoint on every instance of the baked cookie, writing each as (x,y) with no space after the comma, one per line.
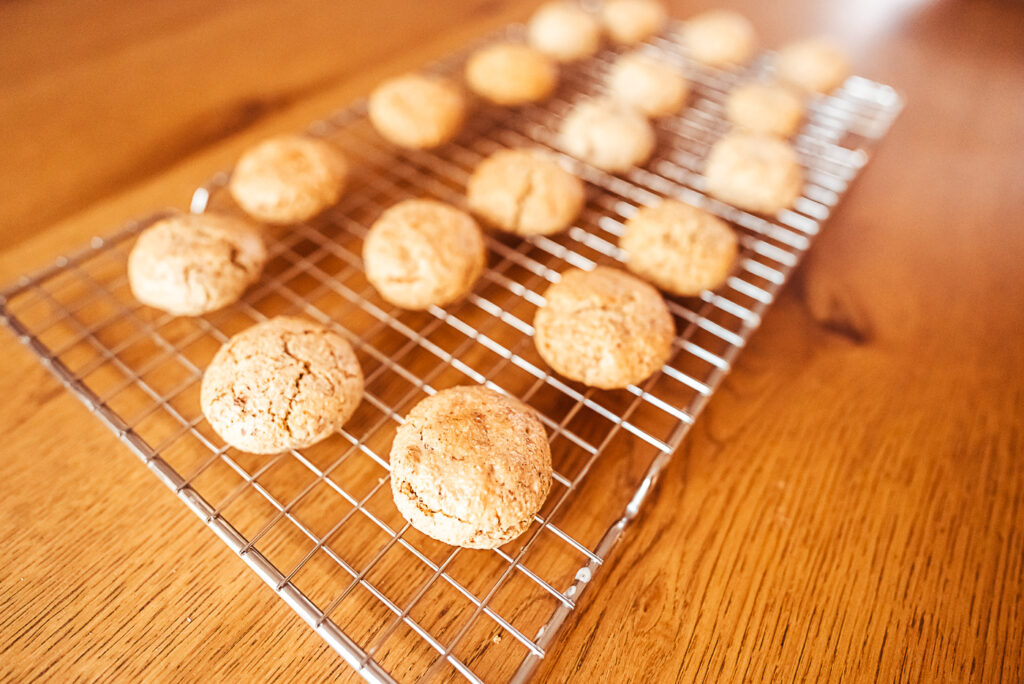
(286,383)
(511,74)
(758,173)
(768,108)
(654,87)
(629,22)
(417,111)
(189,264)
(719,38)
(607,134)
(423,252)
(524,192)
(679,248)
(564,31)
(604,328)
(288,179)
(815,65)
(470,467)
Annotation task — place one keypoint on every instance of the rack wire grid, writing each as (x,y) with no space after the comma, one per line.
(318,525)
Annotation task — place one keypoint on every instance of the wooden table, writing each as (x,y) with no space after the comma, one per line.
(850,506)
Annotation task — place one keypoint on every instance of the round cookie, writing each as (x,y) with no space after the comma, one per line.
(815,65)
(679,248)
(524,192)
(417,111)
(608,135)
(629,22)
(470,467)
(771,109)
(422,252)
(719,38)
(650,85)
(758,173)
(289,178)
(511,74)
(604,328)
(564,31)
(189,264)
(286,383)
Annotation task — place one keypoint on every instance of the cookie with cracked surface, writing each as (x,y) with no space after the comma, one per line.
(510,74)
(423,252)
(286,383)
(755,172)
(678,247)
(470,467)
(651,85)
(719,38)
(189,264)
(417,111)
(288,178)
(524,192)
(629,22)
(769,108)
(564,31)
(815,65)
(605,328)
(607,134)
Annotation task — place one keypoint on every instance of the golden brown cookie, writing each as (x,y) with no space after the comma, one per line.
(719,38)
(564,31)
(651,85)
(815,65)
(607,134)
(768,108)
(417,111)
(758,173)
(511,74)
(629,22)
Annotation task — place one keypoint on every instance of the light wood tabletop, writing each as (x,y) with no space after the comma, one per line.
(849,507)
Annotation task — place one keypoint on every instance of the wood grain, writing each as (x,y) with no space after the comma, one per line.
(850,506)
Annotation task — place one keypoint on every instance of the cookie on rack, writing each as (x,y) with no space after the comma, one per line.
(653,86)
(607,134)
(421,252)
(524,192)
(511,74)
(815,65)
(678,247)
(629,22)
(289,179)
(719,38)
(769,108)
(564,31)
(417,111)
(605,328)
(189,264)
(286,383)
(755,172)
(470,467)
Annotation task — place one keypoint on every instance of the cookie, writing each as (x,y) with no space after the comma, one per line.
(607,134)
(604,328)
(511,74)
(629,22)
(524,192)
(288,179)
(421,253)
(815,65)
(767,108)
(189,264)
(286,383)
(564,31)
(654,87)
(758,173)
(470,467)
(417,111)
(719,38)
(679,248)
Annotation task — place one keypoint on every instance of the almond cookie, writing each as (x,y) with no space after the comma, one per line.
(417,111)
(816,65)
(524,192)
(766,108)
(511,74)
(629,22)
(190,264)
(606,134)
(286,383)
(288,179)
(604,328)
(679,248)
(470,467)
(422,252)
(654,87)
(758,173)
(564,31)
(719,38)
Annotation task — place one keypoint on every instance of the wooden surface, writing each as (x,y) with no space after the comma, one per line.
(851,505)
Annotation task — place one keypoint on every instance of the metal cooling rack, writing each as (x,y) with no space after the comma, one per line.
(318,525)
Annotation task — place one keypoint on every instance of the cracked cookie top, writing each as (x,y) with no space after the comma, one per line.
(753,171)
(607,134)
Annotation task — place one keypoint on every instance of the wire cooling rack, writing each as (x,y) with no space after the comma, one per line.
(318,525)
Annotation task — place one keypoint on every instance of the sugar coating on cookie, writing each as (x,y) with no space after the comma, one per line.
(511,74)
(470,467)
(769,108)
(719,38)
(422,252)
(524,192)
(678,247)
(289,178)
(815,65)
(417,111)
(755,172)
(607,134)
(629,22)
(604,328)
(653,86)
(190,264)
(286,383)
(564,31)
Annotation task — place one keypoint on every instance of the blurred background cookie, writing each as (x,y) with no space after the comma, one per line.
(769,108)
(511,74)
(417,111)
(816,65)
(755,172)
(564,31)
(607,134)
(719,38)
(629,22)
(653,86)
